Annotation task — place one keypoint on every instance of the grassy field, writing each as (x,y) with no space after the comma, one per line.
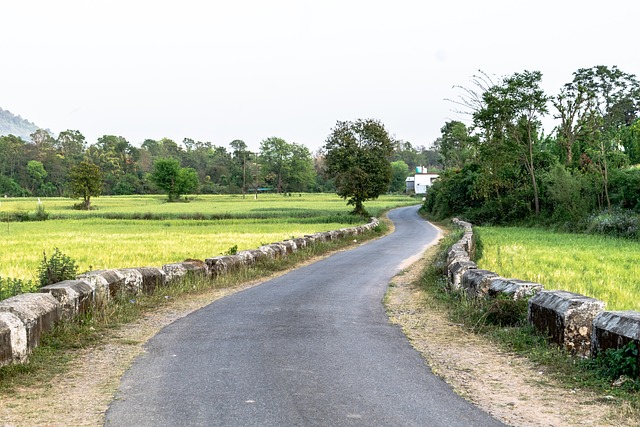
(128,231)
(601,267)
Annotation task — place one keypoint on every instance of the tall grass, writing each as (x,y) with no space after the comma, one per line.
(601,267)
(117,235)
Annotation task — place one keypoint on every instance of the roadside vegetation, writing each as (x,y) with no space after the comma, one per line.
(59,347)
(135,231)
(601,267)
(504,169)
(613,375)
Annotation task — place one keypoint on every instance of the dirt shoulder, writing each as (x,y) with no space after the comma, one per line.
(506,386)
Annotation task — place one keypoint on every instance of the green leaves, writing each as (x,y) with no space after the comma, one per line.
(357,157)
(85,180)
(174,180)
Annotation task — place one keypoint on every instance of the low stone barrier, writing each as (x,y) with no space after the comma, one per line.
(573,321)
(75,296)
(476,282)
(28,316)
(25,317)
(514,288)
(615,329)
(178,270)
(566,318)
(106,284)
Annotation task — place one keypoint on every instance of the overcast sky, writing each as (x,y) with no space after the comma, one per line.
(250,69)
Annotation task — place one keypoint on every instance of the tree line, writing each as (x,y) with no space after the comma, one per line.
(503,168)
(67,165)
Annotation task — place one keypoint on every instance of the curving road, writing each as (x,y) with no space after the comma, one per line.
(312,347)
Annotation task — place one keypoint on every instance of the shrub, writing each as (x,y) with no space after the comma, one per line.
(616,222)
(41,213)
(56,268)
(11,287)
(614,363)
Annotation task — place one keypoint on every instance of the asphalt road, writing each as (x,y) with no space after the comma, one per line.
(312,347)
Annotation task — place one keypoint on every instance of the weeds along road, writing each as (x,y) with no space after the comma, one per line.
(311,347)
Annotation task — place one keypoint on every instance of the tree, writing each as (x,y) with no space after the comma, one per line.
(512,110)
(85,180)
(399,174)
(37,174)
(357,157)
(174,180)
(287,166)
(455,145)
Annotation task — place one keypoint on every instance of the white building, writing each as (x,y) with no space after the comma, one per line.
(421,181)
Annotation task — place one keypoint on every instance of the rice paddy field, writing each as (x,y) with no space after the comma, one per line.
(597,266)
(136,231)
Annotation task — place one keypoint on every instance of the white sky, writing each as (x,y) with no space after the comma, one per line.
(250,69)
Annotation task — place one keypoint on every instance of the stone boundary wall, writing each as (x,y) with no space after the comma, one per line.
(577,322)
(24,318)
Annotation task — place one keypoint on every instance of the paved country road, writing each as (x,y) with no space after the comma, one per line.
(311,347)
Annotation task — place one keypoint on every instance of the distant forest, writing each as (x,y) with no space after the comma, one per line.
(40,164)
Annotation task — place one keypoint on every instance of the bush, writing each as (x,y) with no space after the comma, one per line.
(11,287)
(614,363)
(41,213)
(57,268)
(616,223)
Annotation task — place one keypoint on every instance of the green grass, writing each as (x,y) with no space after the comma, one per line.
(58,347)
(597,266)
(109,237)
(510,330)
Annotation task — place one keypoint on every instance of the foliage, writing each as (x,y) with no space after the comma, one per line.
(615,363)
(286,166)
(41,213)
(232,250)
(10,287)
(523,340)
(569,195)
(615,222)
(399,174)
(174,180)
(170,232)
(455,145)
(85,180)
(56,268)
(357,158)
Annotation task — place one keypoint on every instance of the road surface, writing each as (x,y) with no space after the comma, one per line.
(313,347)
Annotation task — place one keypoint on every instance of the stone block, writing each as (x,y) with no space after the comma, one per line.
(615,329)
(105,283)
(132,281)
(6,349)
(456,270)
(300,242)
(223,264)
(566,318)
(15,349)
(178,270)
(290,246)
(75,296)
(514,288)
(35,313)
(476,282)
(279,250)
(268,251)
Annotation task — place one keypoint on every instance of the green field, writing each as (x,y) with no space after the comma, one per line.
(601,267)
(135,231)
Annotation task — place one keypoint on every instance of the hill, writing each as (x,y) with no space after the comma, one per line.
(15,125)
